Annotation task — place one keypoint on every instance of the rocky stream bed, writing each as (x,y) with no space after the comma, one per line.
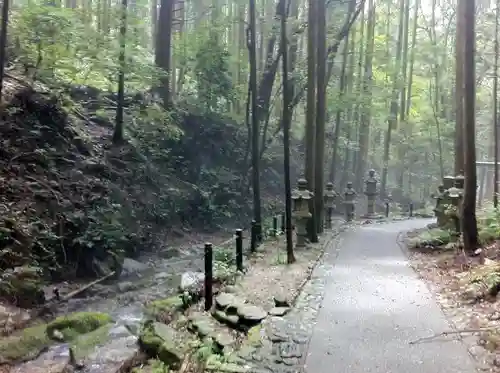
(107,347)
(152,312)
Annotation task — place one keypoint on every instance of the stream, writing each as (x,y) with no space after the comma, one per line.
(150,277)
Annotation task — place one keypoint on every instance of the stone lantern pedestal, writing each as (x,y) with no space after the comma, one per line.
(439,210)
(371,194)
(329,198)
(455,195)
(349,202)
(301,197)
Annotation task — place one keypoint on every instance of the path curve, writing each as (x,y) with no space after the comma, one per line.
(374,305)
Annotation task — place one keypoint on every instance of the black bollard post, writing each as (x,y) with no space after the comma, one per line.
(253,236)
(275,226)
(411,209)
(208,276)
(283,223)
(387,209)
(239,250)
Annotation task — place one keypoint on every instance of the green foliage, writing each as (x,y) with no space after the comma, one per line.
(215,86)
(60,44)
(430,238)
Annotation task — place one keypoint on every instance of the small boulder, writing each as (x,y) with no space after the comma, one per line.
(55,360)
(281,301)
(162,341)
(230,320)
(250,314)
(228,303)
(279,311)
(192,282)
(201,325)
(131,266)
(223,300)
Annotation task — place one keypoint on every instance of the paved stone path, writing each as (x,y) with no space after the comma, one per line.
(359,312)
(374,305)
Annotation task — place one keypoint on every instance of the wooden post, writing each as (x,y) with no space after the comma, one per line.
(208,276)
(239,250)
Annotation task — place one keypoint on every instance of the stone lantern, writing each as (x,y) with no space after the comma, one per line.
(301,197)
(371,193)
(455,196)
(349,201)
(439,209)
(460,182)
(329,198)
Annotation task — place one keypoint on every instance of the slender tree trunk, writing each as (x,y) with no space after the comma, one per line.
(469,222)
(252,55)
(3,42)
(118,132)
(287,119)
(320,115)
(392,122)
(459,89)
(495,110)
(310,114)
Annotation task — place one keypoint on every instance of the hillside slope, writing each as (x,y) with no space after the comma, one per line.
(73,205)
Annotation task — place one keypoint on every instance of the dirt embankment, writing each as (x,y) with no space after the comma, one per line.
(74,205)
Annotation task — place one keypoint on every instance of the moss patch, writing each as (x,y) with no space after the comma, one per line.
(24,345)
(84,344)
(78,323)
(167,305)
(29,342)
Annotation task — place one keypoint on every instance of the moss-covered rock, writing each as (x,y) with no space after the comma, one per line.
(163,342)
(77,323)
(24,345)
(165,306)
(84,344)
(28,343)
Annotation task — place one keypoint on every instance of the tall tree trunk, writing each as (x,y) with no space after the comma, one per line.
(469,222)
(365,119)
(163,51)
(287,119)
(342,89)
(319,163)
(3,42)
(495,110)
(459,90)
(118,131)
(310,114)
(392,121)
(252,55)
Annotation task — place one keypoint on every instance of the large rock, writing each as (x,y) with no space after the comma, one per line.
(55,360)
(165,343)
(131,266)
(192,282)
(228,303)
(118,355)
(250,314)
(205,326)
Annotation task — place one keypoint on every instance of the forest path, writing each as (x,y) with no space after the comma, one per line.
(375,306)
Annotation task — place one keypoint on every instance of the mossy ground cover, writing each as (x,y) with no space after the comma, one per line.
(29,342)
